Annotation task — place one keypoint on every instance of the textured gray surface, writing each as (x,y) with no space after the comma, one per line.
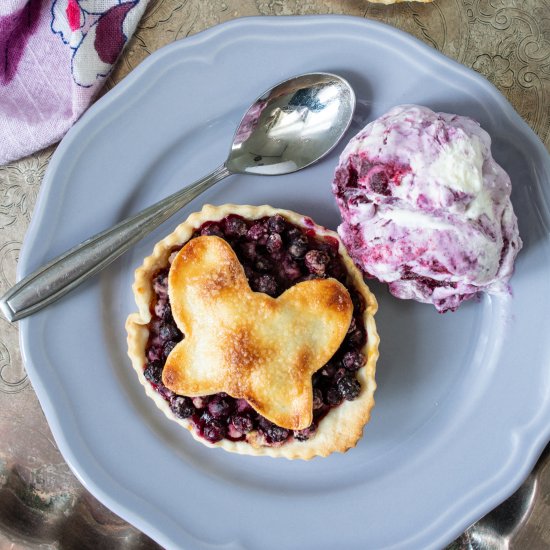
(42,505)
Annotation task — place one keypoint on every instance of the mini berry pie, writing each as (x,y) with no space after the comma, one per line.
(255,331)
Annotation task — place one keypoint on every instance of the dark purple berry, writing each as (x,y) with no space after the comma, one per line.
(244,406)
(304,435)
(276,224)
(161,278)
(293,233)
(243,423)
(159,308)
(328,370)
(212,229)
(214,430)
(357,301)
(266,284)
(290,269)
(317,398)
(329,246)
(200,402)
(333,397)
(353,360)
(160,284)
(168,331)
(274,243)
(164,311)
(220,407)
(154,353)
(336,270)
(248,250)
(356,338)
(165,392)
(168,347)
(258,232)
(235,227)
(263,264)
(274,433)
(340,373)
(298,246)
(182,406)
(153,372)
(349,387)
(316,261)
(249,272)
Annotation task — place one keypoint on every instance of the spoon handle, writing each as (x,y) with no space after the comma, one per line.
(65,272)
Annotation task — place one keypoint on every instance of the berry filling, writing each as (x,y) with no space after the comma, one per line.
(275,255)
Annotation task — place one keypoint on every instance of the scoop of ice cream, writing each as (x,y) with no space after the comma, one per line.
(426,208)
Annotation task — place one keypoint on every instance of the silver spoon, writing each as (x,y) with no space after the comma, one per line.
(287,128)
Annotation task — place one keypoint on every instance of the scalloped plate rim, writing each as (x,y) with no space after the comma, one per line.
(537,444)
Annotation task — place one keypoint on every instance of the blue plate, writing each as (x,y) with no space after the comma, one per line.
(463,405)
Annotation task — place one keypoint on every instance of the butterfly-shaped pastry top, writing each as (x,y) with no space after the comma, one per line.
(246,343)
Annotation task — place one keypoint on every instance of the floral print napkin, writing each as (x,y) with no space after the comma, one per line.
(54,57)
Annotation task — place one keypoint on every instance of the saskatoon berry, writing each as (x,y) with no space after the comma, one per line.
(200,402)
(349,387)
(167,331)
(258,232)
(340,373)
(274,243)
(266,284)
(328,370)
(304,435)
(220,407)
(153,372)
(263,264)
(168,347)
(353,360)
(298,246)
(275,433)
(212,229)
(356,338)
(160,284)
(290,269)
(352,325)
(333,396)
(248,250)
(182,406)
(242,423)
(293,233)
(317,398)
(214,431)
(235,227)
(358,302)
(336,269)
(316,261)
(276,224)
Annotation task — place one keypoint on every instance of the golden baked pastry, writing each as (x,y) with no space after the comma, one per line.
(255,331)
(231,342)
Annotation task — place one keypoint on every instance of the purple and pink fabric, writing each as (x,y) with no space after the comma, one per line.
(54,57)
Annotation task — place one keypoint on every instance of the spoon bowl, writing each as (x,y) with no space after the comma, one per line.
(293,125)
(289,127)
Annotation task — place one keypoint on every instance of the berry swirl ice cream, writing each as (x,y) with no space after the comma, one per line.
(426,208)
